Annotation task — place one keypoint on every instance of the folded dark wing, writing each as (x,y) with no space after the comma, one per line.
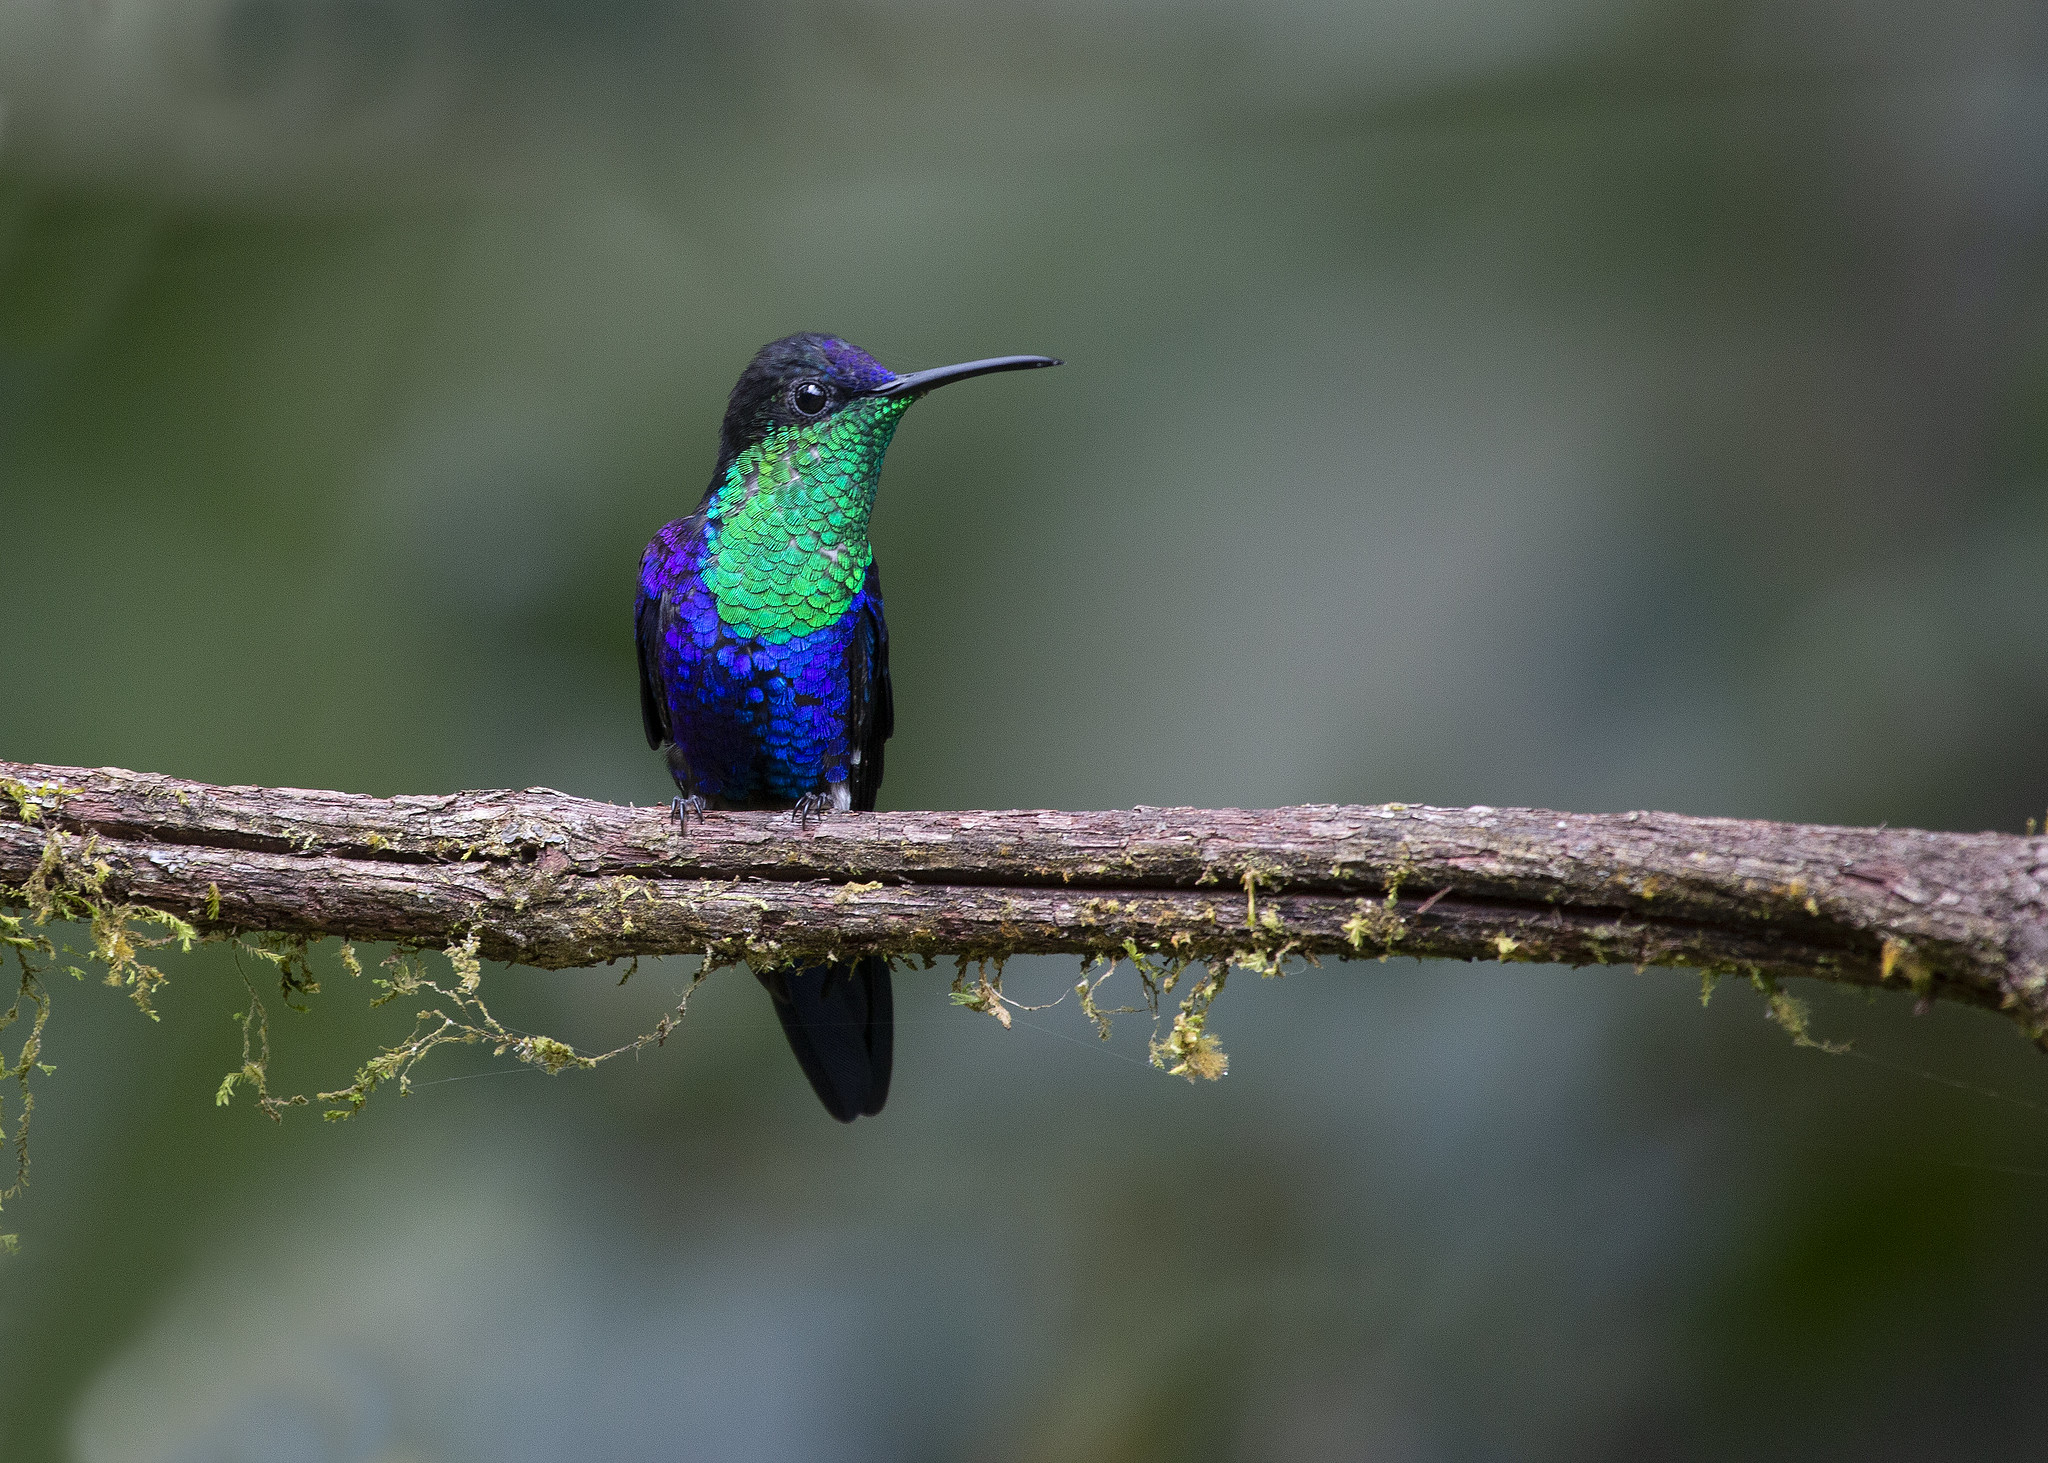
(647,614)
(873,709)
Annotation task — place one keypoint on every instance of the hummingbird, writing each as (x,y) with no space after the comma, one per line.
(764,658)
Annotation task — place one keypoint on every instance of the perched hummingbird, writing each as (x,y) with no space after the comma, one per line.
(764,661)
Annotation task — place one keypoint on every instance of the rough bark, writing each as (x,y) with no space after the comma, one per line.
(545,879)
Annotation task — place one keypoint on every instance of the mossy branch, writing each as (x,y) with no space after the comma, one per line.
(140,863)
(543,879)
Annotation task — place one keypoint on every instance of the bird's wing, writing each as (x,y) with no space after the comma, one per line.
(874,701)
(647,617)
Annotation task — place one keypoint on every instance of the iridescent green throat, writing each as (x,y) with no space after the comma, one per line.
(786,541)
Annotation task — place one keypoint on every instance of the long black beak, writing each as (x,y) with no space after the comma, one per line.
(917,383)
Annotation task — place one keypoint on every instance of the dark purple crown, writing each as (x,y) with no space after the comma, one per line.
(760,400)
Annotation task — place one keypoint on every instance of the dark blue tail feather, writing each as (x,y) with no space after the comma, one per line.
(840,1021)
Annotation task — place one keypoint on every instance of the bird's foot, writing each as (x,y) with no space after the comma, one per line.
(810,805)
(680,808)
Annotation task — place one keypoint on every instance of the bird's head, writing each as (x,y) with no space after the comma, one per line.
(802,382)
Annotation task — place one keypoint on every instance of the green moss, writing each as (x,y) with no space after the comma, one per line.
(454,1014)
(30,799)
(1900,959)
(29,991)
(983,994)
(68,887)
(1791,1014)
(1086,987)
(462,959)
(1189,1049)
(1377,927)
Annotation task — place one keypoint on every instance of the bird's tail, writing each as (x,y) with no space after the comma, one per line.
(840,1021)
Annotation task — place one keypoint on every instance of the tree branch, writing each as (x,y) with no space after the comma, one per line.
(540,878)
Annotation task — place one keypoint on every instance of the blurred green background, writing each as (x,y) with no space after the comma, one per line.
(1596,404)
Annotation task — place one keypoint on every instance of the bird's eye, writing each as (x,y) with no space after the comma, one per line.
(809,398)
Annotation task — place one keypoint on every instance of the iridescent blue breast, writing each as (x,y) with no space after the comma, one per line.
(752,721)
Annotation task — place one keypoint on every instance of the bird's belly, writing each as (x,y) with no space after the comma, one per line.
(761,724)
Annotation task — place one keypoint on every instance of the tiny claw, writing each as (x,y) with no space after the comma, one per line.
(680,809)
(811,804)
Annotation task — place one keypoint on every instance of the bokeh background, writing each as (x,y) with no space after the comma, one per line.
(1597,404)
